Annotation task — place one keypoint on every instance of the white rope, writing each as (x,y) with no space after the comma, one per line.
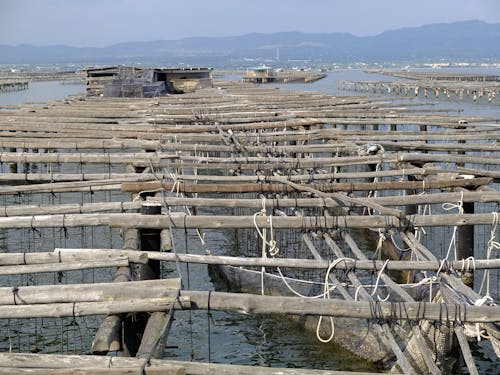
(401,249)
(453,242)
(176,184)
(265,243)
(380,243)
(379,275)
(492,245)
(422,210)
(326,295)
(466,266)
(477,331)
(271,244)
(358,288)
(274,250)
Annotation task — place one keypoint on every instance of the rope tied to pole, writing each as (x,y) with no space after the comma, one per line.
(453,242)
(491,245)
(379,276)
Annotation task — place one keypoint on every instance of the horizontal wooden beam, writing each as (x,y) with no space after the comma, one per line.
(267,187)
(181,220)
(276,203)
(98,292)
(57,361)
(346,264)
(386,311)
(59,267)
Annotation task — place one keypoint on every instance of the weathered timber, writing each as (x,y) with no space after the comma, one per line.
(250,303)
(48,209)
(166,369)
(180,220)
(157,327)
(61,187)
(98,292)
(57,310)
(105,158)
(59,267)
(324,187)
(346,264)
(108,337)
(39,209)
(464,345)
(57,256)
(55,361)
(58,177)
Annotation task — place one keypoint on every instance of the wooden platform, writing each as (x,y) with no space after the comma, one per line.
(9,86)
(334,192)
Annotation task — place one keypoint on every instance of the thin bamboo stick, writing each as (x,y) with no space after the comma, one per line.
(348,264)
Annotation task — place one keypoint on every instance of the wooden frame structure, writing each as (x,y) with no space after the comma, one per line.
(308,165)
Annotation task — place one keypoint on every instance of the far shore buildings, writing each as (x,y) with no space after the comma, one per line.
(126,81)
(260,74)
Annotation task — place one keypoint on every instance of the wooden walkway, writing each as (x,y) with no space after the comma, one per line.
(373,207)
(477,88)
(10,85)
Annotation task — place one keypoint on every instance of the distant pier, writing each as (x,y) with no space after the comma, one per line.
(478,87)
(266,74)
(439,76)
(8,86)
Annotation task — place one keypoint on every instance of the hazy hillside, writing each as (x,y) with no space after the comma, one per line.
(461,40)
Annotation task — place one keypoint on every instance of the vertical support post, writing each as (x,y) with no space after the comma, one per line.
(465,247)
(149,240)
(13,166)
(465,236)
(411,209)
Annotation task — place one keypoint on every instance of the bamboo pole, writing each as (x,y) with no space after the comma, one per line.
(249,303)
(464,345)
(61,187)
(156,329)
(166,369)
(482,196)
(57,310)
(348,264)
(181,220)
(65,257)
(109,158)
(58,177)
(57,361)
(59,267)
(98,292)
(109,336)
(265,187)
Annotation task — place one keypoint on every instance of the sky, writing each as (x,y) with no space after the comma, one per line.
(101,23)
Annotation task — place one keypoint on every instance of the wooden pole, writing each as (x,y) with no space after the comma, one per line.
(465,246)
(181,220)
(56,361)
(373,265)
(267,187)
(109,336)
(135,328)
(250,303)
(482,196)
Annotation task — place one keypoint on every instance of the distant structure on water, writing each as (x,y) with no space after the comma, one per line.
(135,82)
(267,74)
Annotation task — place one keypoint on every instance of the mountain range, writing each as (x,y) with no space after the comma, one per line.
(473,40)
